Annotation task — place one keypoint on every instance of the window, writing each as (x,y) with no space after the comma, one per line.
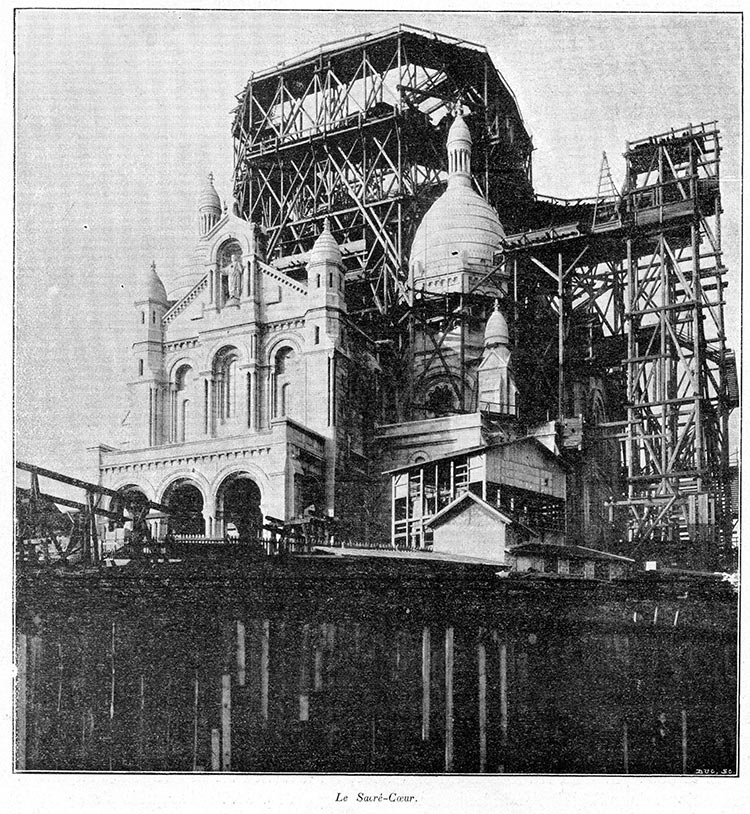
(153,317)
(317,335)
(179,430)
(140,367)
(284,371)
(143,317)
(225,384)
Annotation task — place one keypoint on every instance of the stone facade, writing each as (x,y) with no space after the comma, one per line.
(239,388)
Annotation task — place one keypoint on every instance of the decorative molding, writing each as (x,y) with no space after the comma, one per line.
(187,460)
(182,304)
(283,325)
(271,272)
(180,344)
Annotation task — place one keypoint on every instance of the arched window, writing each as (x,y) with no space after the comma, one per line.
(283,360)
(180,424)
(285,368)
(441,400)
(225,384)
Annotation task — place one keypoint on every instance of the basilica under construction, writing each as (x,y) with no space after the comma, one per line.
(384,324)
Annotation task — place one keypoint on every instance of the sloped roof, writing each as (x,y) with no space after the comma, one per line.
(483,448)
(462,502)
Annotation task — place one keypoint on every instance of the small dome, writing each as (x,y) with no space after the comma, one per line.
(209,198)
(153,287)
(496,330)
(325,248)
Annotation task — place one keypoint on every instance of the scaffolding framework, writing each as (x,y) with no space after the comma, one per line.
(621,293)
(356,131)
(639,294)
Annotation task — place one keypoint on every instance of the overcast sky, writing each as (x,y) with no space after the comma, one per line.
(119,115)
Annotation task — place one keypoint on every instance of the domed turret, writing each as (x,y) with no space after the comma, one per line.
(460,230)
(325,272)
(496,330)
(209,207)
(325,249)
(153,288)
(495,384)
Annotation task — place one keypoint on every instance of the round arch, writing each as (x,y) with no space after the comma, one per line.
(287,385)
(137,498)
(180,362)
(225,373)
(185,501)
(225,237)
(279,342)
(238,505)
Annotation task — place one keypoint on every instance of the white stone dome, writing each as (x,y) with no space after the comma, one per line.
(460,224)
(496,329)
(325,249)
(153,287)
(190,272)
(208,199)
(460,221)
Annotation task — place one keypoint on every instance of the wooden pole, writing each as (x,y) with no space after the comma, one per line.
(625,756)
(59,679)
(240,653)
(215,751)
(195,724)
(21,703)
(426,658)
(304,675)
(142,704)
(226,722)
(112,695)
(264,644)
(503,654)
(449,699)
(482,671)
(318,659)
(35,653)
(684,741)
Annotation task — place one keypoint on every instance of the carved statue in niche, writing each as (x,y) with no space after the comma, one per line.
(234,277)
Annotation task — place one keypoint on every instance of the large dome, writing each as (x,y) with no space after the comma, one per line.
(459,222)
(460,229)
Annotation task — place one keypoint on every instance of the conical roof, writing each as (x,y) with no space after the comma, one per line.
(153,287)
(208,197)
(325,249)
(496,329)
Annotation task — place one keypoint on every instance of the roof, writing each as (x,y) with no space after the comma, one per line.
(423,43)
(482,448)
(460,503)
(567,551)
